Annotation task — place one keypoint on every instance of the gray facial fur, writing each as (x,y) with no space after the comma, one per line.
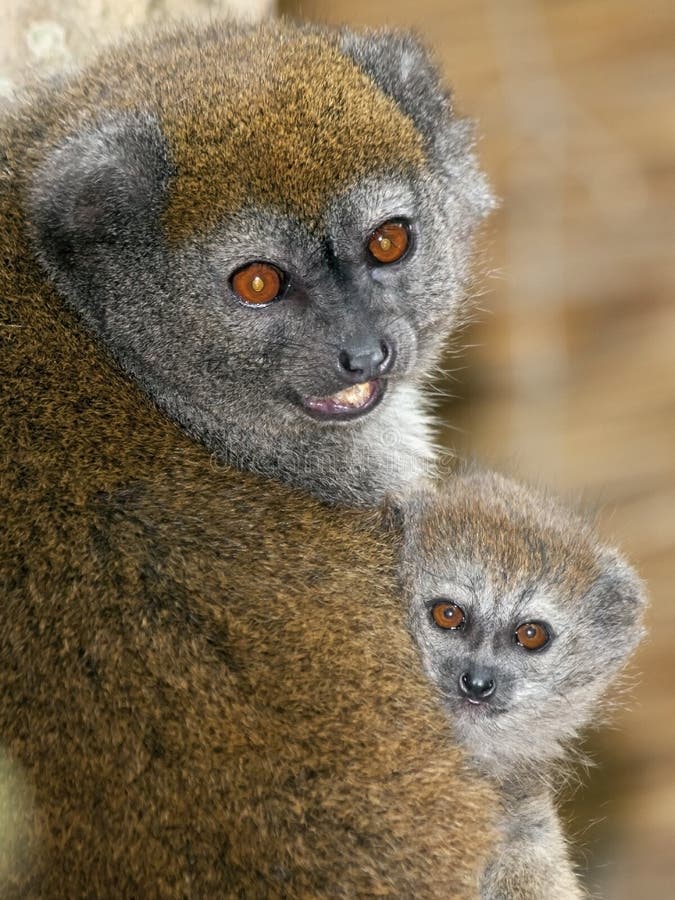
(234,376)
(506,556)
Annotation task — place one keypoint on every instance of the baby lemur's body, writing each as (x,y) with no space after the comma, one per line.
(523,618)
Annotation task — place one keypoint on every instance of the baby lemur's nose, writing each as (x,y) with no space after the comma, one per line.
(365,360)
(477,684)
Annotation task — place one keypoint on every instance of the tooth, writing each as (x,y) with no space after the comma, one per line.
(354,396)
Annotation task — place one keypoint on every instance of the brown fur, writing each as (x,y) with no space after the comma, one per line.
(515,533)
(206,684)
(292,158)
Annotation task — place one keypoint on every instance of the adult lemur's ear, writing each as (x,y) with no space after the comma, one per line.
(103,185)
(403,69)
(401,66)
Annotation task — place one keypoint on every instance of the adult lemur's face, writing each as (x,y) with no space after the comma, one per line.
(275,240)
(315,328)
(522,617)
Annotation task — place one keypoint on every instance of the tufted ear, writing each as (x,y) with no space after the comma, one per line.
(623,586)
(619,600)
(403,69)
(104,185)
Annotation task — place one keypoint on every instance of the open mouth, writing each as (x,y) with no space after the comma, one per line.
(476,709)
(349,403)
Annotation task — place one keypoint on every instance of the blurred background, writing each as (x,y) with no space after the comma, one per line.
(569,375)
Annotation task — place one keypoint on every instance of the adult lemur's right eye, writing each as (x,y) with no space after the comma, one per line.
(448,615)
(389,243)
(258,283)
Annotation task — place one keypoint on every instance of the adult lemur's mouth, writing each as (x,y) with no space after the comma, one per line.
(349,403)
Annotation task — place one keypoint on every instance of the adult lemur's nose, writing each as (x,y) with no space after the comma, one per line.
(362,361)
(477,684)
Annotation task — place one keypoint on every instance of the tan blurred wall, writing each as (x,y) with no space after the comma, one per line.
(48,35)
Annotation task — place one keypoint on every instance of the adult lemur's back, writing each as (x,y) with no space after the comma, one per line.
(206,686)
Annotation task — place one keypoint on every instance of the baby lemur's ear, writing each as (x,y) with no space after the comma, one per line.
(103,185)
(402,511)
(392,513)
(620,601)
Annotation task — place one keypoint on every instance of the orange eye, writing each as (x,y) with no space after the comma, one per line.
(389,242)
(448,615)
(257,283)
(532,635)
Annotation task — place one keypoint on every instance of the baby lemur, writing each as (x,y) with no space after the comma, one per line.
(272,236)
(523,618)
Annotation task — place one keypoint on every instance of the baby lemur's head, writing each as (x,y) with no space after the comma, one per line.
(269,226)
(522,616)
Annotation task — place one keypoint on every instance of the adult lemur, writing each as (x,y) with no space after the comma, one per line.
(207,688)
(523,618)
(270,229)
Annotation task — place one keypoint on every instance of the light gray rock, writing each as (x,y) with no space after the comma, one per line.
(48,36)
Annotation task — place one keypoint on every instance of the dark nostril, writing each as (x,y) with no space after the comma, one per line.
(387,359)
(488,687)
(476,685)
(346,361)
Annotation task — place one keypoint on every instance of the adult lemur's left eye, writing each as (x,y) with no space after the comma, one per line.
(258,283)
(532,635)
(389,243)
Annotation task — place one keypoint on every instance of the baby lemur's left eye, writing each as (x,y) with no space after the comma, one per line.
(532,635)
(389,243)
(448,615)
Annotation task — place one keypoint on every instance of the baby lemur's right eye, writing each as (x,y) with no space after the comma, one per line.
(389,243)
(532,635)
(258,283)
(448,615)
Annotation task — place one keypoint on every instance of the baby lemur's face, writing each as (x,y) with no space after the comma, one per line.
(522,617)
(274,241)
